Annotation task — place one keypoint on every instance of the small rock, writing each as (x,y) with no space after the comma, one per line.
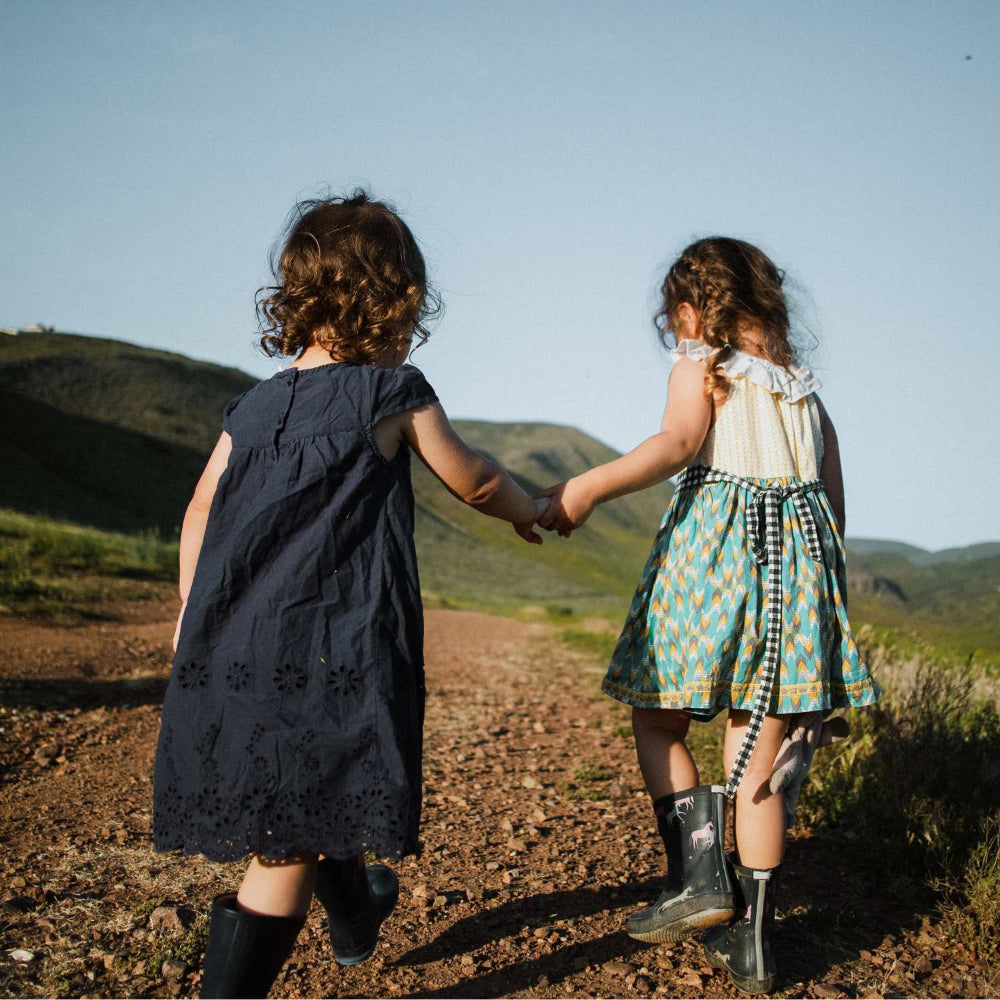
(21,955)
(506,825)
(824,991)
(492,866)
(541,932)
(46,753)
(468,960)
(516,844)
(420,891)
(170,919)
(538,816)
(618,968)
(616,790)
(923,965)
(529,782)
(440,900)
(173,968)
(539,727)
(642,985)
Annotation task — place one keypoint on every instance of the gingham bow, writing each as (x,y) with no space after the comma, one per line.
(765,509)
(764,528)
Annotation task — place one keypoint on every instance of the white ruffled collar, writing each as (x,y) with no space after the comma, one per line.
(791,384)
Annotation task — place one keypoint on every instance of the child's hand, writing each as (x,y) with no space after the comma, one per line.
(524,529)
(572,504)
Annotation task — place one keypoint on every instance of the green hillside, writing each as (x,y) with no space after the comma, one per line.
(114,435)
(120,433)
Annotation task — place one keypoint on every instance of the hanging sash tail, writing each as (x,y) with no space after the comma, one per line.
(764,528)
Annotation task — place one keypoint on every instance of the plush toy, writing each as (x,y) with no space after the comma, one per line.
(805,733)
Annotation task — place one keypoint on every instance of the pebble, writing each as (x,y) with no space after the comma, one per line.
(46,753)
(824,991)
(529,782)
(173,968)
(21,955)
(642,985)
(170,919)
(618,968)
(923,965)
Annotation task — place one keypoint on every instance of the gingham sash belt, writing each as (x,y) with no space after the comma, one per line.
(764,526)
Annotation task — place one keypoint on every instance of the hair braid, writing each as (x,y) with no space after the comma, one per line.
(734,287)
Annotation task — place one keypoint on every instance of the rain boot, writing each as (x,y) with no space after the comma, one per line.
(743,949)
(356,903)
(245,951)
(699,889)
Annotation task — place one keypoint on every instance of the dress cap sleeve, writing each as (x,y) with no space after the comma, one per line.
(400,389)
(227,413)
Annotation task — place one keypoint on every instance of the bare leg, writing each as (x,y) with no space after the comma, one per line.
(278,888)
(664,759)
(760,816)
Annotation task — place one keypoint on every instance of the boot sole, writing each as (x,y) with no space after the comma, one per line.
(684,927)
(742,984)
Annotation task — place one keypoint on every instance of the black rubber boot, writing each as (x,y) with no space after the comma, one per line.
(245,950)
(356,903)
(743,948)
(699,888)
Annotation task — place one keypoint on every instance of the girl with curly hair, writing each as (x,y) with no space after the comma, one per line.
(741,606)
(292,721)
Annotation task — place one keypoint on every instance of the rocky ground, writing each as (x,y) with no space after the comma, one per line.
(538,842)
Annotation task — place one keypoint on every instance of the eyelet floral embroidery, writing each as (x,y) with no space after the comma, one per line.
(192,675)
(344,680)
(290,677)
(238,677)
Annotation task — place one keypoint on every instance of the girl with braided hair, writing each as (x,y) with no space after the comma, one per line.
(741,606)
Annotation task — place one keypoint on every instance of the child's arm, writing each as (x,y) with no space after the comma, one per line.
(474,480)
(195,518)
(829,470)
(685,423)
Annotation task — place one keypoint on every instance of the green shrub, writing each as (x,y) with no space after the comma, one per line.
(590,772)
(917,789)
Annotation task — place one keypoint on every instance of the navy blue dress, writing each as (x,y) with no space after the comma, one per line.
(292,720)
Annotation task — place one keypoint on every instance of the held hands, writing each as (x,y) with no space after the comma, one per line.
(524,529)
(572,504)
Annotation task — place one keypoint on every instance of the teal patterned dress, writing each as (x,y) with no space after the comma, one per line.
(694,637)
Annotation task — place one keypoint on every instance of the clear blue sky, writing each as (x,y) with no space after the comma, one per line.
(552,158)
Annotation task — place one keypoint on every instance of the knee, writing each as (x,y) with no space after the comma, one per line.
(667,722)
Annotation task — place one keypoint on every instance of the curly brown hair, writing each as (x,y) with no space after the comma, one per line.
(349,277)
(734,287)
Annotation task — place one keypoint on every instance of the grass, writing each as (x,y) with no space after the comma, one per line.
(52,568)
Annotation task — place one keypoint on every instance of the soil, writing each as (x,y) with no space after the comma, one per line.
(538,841)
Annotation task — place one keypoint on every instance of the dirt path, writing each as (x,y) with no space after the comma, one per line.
(537,842)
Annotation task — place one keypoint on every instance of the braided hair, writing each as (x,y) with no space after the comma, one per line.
(733,286)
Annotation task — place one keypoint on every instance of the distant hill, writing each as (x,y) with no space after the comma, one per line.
(114,435)
(918,556)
